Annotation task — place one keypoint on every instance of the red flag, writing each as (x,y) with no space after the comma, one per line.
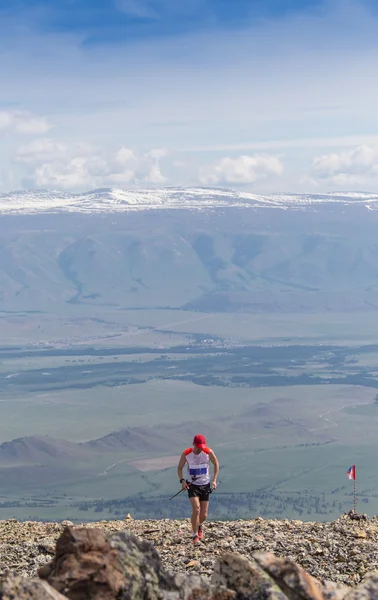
(351,472)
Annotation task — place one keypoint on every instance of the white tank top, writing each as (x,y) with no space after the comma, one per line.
(198,466)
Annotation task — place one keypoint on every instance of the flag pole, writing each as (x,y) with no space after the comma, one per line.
(351,472)
(355,496)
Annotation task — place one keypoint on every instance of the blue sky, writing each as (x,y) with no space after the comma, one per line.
(109,21)
(263,95)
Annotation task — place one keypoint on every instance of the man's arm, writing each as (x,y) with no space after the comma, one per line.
(215,462)
(180,467)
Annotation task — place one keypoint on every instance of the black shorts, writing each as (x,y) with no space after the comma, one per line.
(200,491)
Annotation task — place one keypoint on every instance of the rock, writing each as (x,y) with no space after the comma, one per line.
(85,566)
(195,587)
(332,590)
(192,563)
(356,516)
(146,579)
(47,546)
(245,577)
(67,523)
(334,551)
(20,588)
(89,565)
(45,571)
(367,590)
(294,582)
(141,567)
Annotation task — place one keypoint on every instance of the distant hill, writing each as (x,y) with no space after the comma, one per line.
(44,450)
(39,460)
(133,439)
(197,249)
(35,449)
(34,461)
(158,438)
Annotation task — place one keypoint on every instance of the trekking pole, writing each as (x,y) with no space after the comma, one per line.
(219,482)
(182,490)
(176,494)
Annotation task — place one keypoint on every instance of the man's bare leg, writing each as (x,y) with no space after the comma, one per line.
(195,514)
(204,507)
(204,510)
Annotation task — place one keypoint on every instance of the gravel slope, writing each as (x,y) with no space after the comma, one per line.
(342,550)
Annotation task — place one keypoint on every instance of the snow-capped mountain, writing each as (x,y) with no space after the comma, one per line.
(208,250)
(119,200)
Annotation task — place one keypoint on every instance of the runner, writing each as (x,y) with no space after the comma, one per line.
(198,484)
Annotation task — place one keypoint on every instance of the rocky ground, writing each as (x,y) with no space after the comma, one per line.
(341,551)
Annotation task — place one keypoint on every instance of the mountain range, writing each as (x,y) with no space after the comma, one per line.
(119,200)
(210,250)
(38,459)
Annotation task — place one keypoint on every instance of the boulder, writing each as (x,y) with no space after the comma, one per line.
(246,578)
(366,590)
(89,566)
(21,588)
(146,579)
(85,566)
(294,582)
(332,590)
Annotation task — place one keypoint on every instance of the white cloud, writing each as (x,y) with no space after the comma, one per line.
(53,164)
(73,174)
(125,156)
(350,167)
(155,176)
(40,149)
(290,143)
(23,123)
(241,170)
(205,101)
(157,153)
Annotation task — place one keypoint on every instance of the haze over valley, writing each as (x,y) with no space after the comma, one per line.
(132,320)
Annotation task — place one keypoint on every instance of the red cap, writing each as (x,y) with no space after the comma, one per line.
(199,441)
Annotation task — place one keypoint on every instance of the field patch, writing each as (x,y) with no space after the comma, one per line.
(155,464)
